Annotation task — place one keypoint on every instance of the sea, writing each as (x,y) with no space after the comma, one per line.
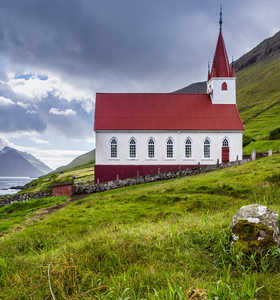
(7,182)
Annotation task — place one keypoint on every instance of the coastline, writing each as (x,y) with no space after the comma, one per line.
(12,185)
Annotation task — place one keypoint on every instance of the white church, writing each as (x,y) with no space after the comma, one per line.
(147,133)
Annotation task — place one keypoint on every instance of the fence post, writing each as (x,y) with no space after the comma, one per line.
(238,161)
(254,155)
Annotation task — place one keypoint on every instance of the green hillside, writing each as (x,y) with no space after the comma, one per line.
(258,95)
(81,174)
(152,241)
(81,160)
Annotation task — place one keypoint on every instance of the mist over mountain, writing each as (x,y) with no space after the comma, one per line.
(14,163)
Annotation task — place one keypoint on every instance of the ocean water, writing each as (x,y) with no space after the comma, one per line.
(7,182)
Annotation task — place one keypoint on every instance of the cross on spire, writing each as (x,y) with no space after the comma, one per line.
(221,17)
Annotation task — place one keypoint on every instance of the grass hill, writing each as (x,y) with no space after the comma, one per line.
(152,241)
(82,174)
(258,94)
(81,160)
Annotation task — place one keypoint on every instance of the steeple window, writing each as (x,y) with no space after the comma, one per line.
(224,86)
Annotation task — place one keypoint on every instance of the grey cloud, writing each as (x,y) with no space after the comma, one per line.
(15,118)
(125,45)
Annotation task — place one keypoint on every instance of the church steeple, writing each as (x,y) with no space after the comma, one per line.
(221,84)
(221,66)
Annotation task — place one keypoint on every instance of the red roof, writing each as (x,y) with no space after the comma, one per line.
(221,66)
(164,112)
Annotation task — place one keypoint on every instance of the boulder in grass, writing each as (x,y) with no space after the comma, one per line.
(255,228)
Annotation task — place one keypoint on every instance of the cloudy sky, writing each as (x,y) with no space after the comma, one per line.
(55,55)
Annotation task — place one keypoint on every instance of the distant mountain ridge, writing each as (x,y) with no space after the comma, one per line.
(14,163)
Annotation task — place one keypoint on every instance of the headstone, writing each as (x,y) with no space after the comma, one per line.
(255,228)
(270,152)
(218,163)
(254,155)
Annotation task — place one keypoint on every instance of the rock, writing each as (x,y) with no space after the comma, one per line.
(255,228)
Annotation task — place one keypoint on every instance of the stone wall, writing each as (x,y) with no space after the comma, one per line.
(9,199)
(101,187)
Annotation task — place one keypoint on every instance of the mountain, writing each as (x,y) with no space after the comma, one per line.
(258,93)
(14,163)
(79,161)
(195,88)
(35,162)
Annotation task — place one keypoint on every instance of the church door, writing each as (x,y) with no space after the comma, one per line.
(225,154)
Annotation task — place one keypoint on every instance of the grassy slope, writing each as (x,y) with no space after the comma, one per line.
(157,240)
(258,94)
(14,214)
(85,159)
(82,174)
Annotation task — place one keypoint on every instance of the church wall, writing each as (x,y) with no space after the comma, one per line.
(179,138)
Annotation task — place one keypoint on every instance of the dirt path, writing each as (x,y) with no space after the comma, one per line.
(42,213)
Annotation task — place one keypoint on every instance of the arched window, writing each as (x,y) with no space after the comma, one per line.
(113,148)
(169,148)
(225,142)
(206,148)
(132,148)
(151,148)
(188,148)
(224,86)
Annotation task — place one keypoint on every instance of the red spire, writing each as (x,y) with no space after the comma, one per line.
(221,67)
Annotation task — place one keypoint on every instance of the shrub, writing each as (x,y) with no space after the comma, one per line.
(247,140)
(274,134)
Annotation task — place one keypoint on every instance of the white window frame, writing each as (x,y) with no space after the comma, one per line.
(210,152)
(129,157)
(109,148)
(155,154)
(174,153)
(185,144)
